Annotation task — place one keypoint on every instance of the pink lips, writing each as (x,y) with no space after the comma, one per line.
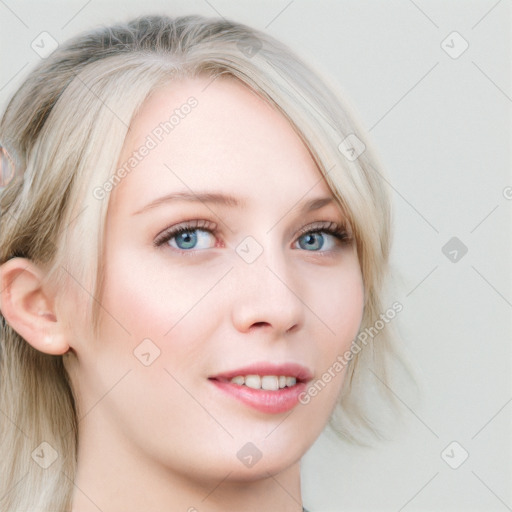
(271,402)
(301,373)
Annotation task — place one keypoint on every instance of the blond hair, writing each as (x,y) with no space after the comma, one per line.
(64,129)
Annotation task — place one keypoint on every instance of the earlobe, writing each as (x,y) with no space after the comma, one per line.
(28,306)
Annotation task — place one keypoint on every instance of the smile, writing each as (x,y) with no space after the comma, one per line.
(266,382)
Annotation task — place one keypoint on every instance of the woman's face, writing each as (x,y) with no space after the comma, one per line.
(243,285)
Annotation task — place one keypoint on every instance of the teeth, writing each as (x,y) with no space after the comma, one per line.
(253,381)
(270,382)
(290,381)
(266,382)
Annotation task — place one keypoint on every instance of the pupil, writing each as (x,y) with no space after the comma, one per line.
(311,243)
(187,238)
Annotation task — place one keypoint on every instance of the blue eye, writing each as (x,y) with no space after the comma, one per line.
(188,236)
(313,240)
(191,239)
(199,235)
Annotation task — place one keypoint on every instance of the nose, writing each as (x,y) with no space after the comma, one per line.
(267,295)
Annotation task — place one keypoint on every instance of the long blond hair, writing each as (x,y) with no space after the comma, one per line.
(64,129)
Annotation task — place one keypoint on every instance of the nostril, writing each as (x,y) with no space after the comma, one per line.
(256,325)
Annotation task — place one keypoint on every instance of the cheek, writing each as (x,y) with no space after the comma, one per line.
(159,308)
(152,297)
(339,300)
(340,305)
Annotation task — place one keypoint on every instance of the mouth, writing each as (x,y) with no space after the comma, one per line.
(264,382)
(268,388)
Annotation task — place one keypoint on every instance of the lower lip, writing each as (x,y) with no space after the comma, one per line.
(270,402)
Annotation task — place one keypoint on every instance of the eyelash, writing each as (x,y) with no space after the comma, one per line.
(340,232)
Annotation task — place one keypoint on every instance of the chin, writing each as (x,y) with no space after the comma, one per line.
(246,463)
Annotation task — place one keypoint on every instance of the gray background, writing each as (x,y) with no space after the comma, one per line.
(442,127)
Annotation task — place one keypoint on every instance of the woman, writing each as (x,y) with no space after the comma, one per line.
(193,250)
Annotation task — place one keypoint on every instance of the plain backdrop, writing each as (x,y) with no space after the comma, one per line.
(431,82)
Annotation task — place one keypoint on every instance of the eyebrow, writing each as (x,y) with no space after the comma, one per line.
(225,200)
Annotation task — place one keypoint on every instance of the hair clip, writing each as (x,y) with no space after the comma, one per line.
(7,167)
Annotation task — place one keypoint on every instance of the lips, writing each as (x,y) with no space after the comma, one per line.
(269,402)
(301,373)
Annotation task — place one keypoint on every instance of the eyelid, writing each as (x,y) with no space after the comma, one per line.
(191,225)
(320,225)
(335,229)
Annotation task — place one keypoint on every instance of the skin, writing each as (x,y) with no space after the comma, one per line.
(162,437)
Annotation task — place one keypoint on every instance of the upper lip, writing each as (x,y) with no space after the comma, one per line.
(300,372)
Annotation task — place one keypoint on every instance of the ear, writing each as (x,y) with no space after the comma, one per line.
(28,306)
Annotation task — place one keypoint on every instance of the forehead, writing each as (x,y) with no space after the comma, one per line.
(230,140)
